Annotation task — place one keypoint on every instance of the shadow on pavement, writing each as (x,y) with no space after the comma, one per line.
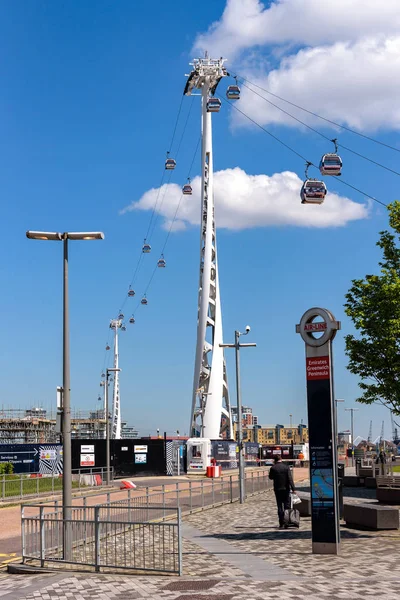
(280,534)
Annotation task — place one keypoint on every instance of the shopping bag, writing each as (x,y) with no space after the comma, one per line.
(295,499)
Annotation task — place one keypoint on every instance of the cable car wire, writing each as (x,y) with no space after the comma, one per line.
(300,155)
(150,233)
(170,227)
(149,227)
(322,134)
(269,133)
(176,124)
(310,112)
(152,221)
(340,180)
(181,198)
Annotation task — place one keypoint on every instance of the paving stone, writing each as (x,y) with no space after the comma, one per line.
(367,566)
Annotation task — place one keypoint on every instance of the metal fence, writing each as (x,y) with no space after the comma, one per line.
(104,537)
(17,486)
(136,531)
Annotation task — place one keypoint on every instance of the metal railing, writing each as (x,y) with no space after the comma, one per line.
(104,536)
(191,496)
(17,486)
(138,531)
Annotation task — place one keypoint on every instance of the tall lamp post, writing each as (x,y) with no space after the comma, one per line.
(66,398)
(107,417)
(237,345)
(336,421)
(352,411)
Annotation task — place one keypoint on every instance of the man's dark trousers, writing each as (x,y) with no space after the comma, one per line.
(283,503)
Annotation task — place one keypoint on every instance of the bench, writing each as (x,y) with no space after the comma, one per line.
(371,516)
(388,489)
(387,481)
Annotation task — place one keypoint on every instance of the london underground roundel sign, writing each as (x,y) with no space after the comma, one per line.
(317,326)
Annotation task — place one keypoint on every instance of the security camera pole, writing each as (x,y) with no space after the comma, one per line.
(237,347)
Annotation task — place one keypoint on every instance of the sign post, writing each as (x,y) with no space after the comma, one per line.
(318,336)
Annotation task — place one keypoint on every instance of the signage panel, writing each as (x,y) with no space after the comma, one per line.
(321,428)
(140,458)
(140,448)
(87,449)
(48,454)
(317,368)
(87,460)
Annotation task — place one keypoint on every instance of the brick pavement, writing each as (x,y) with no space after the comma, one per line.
(236,552)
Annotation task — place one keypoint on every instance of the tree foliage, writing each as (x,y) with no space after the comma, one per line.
(373,304)
(6,468)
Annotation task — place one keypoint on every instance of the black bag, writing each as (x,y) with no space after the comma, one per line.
(291,518)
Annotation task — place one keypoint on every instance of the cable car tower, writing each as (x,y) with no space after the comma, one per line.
(116,325)
(210,400)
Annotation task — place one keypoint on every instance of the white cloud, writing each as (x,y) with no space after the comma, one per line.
(352,83)
(247,23)
(245,201)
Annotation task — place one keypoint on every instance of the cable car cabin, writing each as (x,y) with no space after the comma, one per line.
(143,300)
(331,164)
(121,315)
(131,293)
(187,190)
(213,105)
(313,192)
(233,92)
(146,248)
(132,320)
(161,263)
(123,328)
(107,347)
(170,164)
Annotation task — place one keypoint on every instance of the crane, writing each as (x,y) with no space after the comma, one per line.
(395,436)
(370,433)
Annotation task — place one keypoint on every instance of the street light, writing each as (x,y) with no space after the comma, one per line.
(237,347)
(107,417)
(66,404)
(336,421)
(352,411)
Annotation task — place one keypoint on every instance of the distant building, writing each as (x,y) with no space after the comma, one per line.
(39,413)
(274,434)
(128,431)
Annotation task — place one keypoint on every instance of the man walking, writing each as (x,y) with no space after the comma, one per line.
(283,483)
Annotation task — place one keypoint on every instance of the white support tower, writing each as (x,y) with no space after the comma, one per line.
(210,400)
(116,325)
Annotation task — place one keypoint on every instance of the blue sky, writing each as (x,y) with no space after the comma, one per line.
(87,108)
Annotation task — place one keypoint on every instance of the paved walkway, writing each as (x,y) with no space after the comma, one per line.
(236,552)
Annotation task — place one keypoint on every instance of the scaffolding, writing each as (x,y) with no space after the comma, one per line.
(36,426)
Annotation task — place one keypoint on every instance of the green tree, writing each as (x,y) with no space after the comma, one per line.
(373,304)
(6,468)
